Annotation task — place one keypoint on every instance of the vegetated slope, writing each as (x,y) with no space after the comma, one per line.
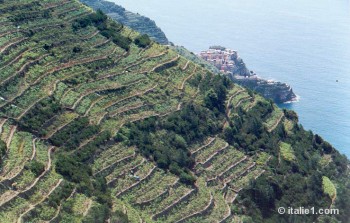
(99,124)
(135,21)
(194,58)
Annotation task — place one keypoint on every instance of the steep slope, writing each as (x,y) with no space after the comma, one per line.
(194,58)
(98,123)
(135,21)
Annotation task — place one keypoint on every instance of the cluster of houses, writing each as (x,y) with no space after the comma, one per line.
(220,57)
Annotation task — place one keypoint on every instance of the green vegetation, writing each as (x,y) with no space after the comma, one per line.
(99,123)
(328,187)
(192,57)
(143,41)
(287,152)
(2,150)
(36,167)
(135,21)
(108,30)
(176,131)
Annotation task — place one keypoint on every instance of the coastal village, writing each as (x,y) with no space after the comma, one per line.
(223,59)
(229,63)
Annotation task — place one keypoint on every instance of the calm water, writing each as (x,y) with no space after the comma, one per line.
(305,43)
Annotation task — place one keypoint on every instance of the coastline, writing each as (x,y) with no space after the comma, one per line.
(295,100)
(229,63)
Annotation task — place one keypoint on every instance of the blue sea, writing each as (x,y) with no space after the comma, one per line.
(305,43)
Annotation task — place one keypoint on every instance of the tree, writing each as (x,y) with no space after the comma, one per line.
(2,149)
(143,41)
(119,217)
(36,167)
(211,99)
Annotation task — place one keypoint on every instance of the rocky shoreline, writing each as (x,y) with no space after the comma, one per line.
(229,63)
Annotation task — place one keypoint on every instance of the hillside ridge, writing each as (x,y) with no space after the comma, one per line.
(98,123)
(135,21)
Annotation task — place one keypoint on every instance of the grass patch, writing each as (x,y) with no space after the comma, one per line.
(287,152)
(328,187)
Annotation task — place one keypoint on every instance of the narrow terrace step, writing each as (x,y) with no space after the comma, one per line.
(171,206)
(162,194)
(3,202)
(206,162)
(113,165)
(20,219)
(219,176)
(137,183)
(133,169)
(210,142)
(205,210)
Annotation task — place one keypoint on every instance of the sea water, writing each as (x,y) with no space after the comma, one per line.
(305,43)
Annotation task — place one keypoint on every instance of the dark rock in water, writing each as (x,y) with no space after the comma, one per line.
(135,21)
(228,62)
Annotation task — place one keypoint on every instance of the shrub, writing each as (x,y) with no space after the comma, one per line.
(175,132)
(36,167)
(119,217)
(2,150)
(143,41)
(328,187)
(77,49)
(108,30)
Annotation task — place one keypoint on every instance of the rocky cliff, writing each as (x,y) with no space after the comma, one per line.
(135,21)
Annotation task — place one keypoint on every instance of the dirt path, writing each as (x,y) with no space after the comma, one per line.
(186,65)
(31,106)
(276,124)
(166,62)
(212,155)
(34,149)
(138,182)
(187,78)
(7,33)
(32,206)
(101,44)
(227,215)
(202,147)
(199,212)
(108,105)
(3,121)
(91,35)
(58,129)
(9,139)
(16,193)
(103,88)
(228,109)
(170,206)
(115,163)
(47,168)
(127,108)
(6,46)
(87,208)
(242,100)
(23,67)
(125,171)
(93,104)
(10,62)
(178,108)
(54,5)
(21,168)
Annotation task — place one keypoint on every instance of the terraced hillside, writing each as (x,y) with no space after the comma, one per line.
(135,21)
(100,124)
